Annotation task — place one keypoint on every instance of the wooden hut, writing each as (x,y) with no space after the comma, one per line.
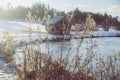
(58,25)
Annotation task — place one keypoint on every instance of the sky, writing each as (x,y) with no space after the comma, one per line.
(109,6)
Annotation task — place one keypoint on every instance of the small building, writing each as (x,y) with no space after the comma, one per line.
(112,28)
(77,27)
(99,28)
(58,25)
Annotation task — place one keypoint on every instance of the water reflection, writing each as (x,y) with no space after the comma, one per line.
(102,46)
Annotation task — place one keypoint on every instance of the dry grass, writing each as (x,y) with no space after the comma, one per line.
(7,50)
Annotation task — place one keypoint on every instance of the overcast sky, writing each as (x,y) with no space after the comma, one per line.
(109,6)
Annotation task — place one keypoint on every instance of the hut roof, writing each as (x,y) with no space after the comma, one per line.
(56,19)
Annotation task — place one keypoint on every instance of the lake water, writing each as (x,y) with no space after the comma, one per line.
(104,46)
(101,47)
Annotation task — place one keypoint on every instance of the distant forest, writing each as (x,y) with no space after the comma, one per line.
(101,19)
(40,10)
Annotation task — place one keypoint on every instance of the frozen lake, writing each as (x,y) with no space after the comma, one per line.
(104,46)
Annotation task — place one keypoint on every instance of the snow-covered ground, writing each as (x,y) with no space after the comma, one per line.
(99,33)
(6,73)
(21,30)
(16,27)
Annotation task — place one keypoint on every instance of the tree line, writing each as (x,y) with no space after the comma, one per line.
(101,19)
(41,10)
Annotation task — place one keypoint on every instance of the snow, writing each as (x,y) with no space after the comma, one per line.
(14,26)
(21,31)
(105,33)
(5,72)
